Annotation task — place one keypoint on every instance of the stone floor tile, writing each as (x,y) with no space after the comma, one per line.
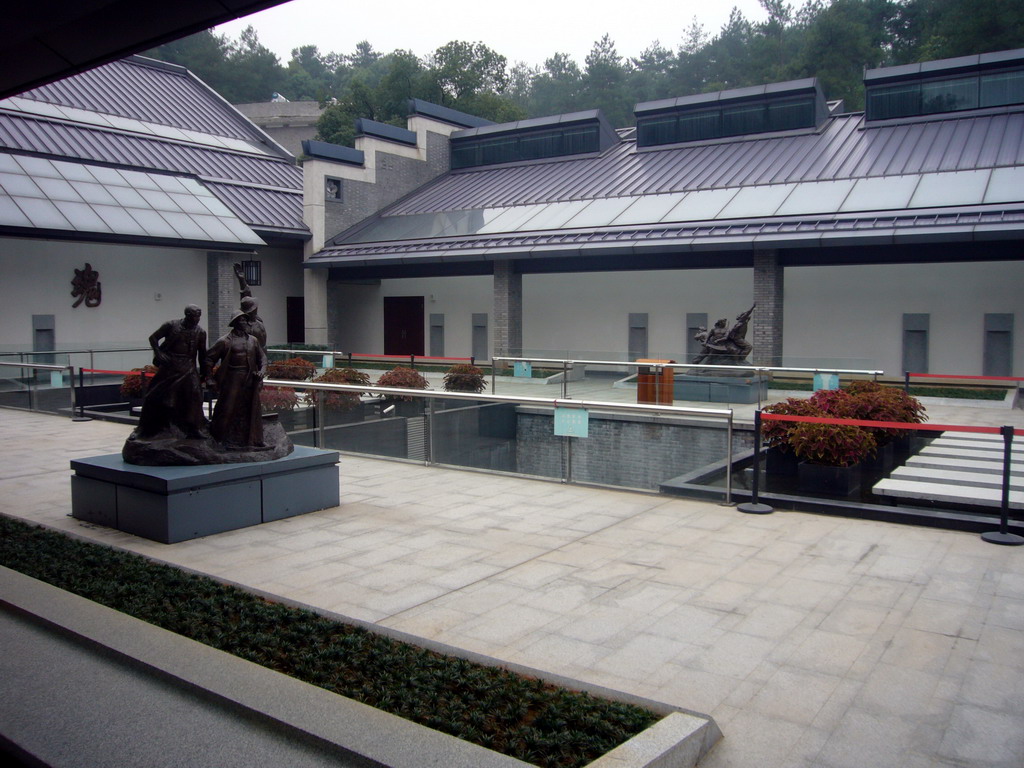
(795,695)
(862,739)
(745,617)
(759,740)
(978,736)
(830,653)
(855,619)
(770,621)
(892,690)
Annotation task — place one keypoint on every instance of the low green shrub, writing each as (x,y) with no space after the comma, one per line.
(516,715)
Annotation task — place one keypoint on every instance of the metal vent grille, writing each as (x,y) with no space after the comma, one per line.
(416,437)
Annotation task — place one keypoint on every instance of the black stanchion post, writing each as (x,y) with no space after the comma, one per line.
(1003,535)
(754,507)
(906,382)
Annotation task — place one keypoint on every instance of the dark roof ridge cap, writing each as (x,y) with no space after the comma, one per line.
(535,123)
(146,61)
(731,94)
(445,114)
(951,66)
(384,131)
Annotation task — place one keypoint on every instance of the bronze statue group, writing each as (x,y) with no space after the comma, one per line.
(172,427)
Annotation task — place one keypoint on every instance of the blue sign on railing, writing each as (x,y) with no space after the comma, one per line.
(522,369)
(572,422)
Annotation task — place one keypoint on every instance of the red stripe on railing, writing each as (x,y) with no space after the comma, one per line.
(402,357)
(958,376)
(886,424)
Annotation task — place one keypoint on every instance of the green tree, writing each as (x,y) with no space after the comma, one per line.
(837,46)
(935,29)
(463,69)
(650,75)
(204,54)
(255,71)
(557,88)
(604,83)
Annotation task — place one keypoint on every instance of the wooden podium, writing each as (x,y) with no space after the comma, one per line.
(657,387)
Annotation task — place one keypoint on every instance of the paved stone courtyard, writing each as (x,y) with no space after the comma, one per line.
(812,640)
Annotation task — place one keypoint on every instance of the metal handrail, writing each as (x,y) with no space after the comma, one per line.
(554,402)
(567,365)
(48,367)
(635,364)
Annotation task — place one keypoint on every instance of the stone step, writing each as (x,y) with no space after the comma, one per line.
(970,479)
(968,465)
(980,443)
(945,492)
(936,449)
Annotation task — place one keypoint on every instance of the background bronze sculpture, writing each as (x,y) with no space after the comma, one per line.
(723,345)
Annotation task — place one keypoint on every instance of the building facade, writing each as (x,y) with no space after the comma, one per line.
(889,239)
(130,191)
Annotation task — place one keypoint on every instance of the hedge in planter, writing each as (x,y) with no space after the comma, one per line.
(404,378)
(464,378)
(136,382)
(340,401)
(277,399)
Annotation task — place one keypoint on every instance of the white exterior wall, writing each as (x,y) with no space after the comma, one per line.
(37,281)
(281,277)
(856,312)
(561,312)
(590,312)
(457,298)
(849,316)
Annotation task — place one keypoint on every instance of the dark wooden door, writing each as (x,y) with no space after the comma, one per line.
(296,319)
(403,325)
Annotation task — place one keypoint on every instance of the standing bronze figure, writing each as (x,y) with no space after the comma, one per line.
(241,364)
(254,325)
(173,406)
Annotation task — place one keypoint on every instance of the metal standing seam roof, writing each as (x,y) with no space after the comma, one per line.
(264,209)
(58,139)
(102,202)
(920,227)
(958,177)
(144,89)
(843,149)
(148,116)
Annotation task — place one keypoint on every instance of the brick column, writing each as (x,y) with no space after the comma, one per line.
(508,309)
(768,293)
(221,293)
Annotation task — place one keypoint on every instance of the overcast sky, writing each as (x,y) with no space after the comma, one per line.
(522,30)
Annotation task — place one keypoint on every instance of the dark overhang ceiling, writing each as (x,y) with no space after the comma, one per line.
(46,40)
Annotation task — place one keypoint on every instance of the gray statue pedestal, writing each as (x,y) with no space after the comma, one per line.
(720,388)
(171,504)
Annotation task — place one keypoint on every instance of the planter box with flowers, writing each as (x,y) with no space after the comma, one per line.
(341,407)
(404,378)
(832,455)
(285,399)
